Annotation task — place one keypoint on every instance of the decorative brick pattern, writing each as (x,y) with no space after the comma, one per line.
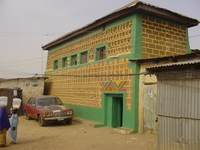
(118,39)
(161,38)
(86,91)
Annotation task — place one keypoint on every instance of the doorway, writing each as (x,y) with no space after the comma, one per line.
(114,110)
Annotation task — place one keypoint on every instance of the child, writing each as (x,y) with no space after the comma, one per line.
(12,132)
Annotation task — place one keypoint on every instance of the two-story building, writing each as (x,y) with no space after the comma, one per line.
(90,68)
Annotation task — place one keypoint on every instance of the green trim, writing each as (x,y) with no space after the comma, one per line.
(96,54)
(136,37)
(187,42)
(89,63)
(135,94)
(81,52)
(63,64)
(71,55)
(53,65)
(106,99)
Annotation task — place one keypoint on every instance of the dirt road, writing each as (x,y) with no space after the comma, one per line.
(80,135)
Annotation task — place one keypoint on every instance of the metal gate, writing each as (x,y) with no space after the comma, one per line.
(178,108)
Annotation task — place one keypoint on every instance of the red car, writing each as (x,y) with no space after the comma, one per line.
(47,109)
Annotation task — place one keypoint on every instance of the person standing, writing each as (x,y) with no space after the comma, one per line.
(4,126)
(12,132)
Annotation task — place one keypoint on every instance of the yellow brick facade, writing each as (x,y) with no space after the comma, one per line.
(161,38)
(87,91)
(118,39)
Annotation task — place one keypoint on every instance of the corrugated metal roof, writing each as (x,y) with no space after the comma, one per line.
(135,5)
(196,61)
(174,58)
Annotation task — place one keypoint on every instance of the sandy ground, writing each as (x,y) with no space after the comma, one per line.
(80,135)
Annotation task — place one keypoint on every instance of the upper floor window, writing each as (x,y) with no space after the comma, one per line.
(64,62)
(84,57)
(55,64)
(74,60)
(101,52)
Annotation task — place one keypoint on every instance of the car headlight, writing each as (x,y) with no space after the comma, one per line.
(70,112)
(49,114)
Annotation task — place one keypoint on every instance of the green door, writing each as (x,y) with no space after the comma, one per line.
(115,111)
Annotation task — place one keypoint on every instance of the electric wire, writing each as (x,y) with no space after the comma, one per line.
(47,56)
(113,75)
(19,61)
(29,34)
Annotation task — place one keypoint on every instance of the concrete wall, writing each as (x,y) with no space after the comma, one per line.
(30,86)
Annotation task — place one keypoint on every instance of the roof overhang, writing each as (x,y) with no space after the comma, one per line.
(168,58)
(193,62)
(135,6)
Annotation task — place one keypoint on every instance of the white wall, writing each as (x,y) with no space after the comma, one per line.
(30,86)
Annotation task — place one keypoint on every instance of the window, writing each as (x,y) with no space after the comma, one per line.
(31,101)
(64,62)
(100,52)
(55,64)
(74,60)
(84,57)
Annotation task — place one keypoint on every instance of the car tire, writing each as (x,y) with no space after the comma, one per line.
(27,116)
(41,121)
(69,121)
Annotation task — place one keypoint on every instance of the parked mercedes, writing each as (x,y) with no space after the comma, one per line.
(47,109)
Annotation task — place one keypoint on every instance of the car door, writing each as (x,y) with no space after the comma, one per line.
(34,108)
(31,107)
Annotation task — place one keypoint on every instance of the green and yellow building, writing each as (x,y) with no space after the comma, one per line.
(91,70)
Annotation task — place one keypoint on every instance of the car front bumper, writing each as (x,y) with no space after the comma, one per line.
(58,118)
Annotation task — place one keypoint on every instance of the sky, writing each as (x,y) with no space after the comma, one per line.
(27,25)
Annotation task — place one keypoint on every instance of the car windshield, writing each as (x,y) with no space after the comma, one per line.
(47,101)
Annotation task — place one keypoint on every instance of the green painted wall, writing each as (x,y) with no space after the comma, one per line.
(136,37)
(136,53)
(89,113)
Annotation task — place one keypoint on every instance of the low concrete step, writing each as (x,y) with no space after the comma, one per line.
(123,130)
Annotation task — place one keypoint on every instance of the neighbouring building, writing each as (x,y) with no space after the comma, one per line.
(178,105)
(30,86)
(148,89)
(91,70)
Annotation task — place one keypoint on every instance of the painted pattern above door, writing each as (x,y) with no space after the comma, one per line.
(113,86)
